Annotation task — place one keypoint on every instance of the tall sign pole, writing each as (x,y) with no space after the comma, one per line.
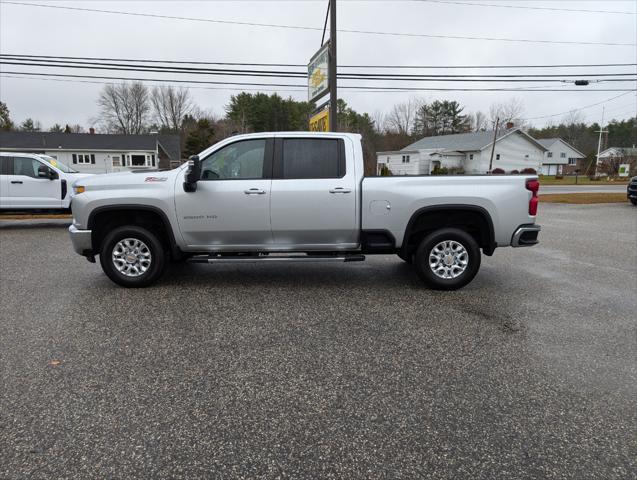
(495,137)
(332,67)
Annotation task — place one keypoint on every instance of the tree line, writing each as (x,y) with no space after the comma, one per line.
(134,108)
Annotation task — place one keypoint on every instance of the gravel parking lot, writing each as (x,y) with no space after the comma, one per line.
(325,370)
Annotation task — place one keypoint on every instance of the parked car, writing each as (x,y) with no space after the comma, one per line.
(631,190)
(30,181)
(297,196)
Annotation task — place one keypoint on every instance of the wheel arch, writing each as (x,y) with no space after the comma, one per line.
(140,215)
(474,219)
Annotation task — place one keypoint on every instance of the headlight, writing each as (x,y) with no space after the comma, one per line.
(77,189)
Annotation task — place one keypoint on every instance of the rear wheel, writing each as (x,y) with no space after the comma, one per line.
(132,256)
(447,259)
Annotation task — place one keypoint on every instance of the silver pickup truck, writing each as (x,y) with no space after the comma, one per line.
(297,196)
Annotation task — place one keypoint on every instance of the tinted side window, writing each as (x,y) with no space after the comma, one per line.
(5,165)
(311,158)
(240,160)
(26,166)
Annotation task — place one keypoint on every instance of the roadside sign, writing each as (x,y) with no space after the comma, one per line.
(317,79)
(320,122)
(624,170)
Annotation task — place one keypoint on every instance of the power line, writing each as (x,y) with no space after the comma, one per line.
(529,78)
(578,109)
(353,88)
(300,27)
(526,7)
(192,62)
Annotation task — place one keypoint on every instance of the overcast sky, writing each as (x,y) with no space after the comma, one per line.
(47,31)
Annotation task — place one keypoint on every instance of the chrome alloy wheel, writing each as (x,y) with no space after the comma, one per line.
(131,257)
(448,259)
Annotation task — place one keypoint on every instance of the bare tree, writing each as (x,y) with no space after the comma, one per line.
(401,118)
(380,121)
(479,121)
(511,111)
(170,106)
(124,108)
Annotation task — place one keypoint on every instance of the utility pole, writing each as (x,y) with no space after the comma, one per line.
(599,141)
(331,74)
(495,137)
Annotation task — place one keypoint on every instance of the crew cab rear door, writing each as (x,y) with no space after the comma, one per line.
(230,210)
(314,191)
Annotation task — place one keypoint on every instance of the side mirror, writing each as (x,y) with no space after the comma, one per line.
(46,172)
(192,174)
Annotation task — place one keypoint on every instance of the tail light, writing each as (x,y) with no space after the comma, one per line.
(533,186)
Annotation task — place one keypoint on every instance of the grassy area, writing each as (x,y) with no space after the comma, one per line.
(581,180)
(584,198)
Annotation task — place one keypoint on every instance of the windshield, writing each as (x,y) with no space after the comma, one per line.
(59,165)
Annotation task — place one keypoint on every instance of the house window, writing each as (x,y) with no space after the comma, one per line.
(497,156)
(138,160)
(549,155)
(152,160)
(117,162)
(562,155)
(572,161)
(471,156)
(84,158)
(405,158)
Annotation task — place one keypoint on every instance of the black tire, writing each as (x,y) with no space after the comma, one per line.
(152,244)
(633,201)
(426,273)
(406,258)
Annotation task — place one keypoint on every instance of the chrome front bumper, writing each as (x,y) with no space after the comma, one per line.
(526,236)
(81,240)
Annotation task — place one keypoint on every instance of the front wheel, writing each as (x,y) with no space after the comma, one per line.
(447,259)
(633,201)
(132,256)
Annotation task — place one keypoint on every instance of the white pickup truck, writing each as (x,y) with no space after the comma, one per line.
(297,196)
(35,182)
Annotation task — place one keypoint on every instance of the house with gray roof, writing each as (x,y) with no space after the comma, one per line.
(98,153)
(558,155)
(470,153)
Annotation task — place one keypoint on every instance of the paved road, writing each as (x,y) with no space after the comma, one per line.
(325,370)
(582,188)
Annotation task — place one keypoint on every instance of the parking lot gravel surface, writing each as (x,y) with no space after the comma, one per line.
(325,370)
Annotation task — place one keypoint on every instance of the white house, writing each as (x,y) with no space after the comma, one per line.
(467,152)
(558,154)
(98,153)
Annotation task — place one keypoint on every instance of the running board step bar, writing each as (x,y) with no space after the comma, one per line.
(274,258)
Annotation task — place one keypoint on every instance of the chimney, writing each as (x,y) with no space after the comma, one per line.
(510,125)
(91,131)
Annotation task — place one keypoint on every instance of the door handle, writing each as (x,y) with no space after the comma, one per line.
(340,190)
(254,191)
(16,181)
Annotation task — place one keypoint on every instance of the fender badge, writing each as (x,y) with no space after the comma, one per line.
(155,179)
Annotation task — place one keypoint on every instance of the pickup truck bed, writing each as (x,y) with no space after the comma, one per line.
(301,194)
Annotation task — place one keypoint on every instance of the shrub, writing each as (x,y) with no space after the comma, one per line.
(529,170)
(456,171)
(514,172)
(440,171)
(497,171)
(559,177)
(385,171)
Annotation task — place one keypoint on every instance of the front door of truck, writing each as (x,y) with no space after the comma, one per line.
(314,193)
(29,190)
(230,210)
